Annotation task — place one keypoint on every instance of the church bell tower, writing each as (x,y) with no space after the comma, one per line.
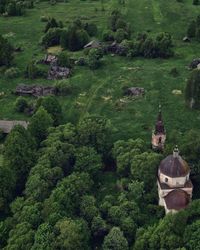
(159,133)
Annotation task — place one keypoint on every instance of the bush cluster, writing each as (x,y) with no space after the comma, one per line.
(74,37)
(15,7)
(118,28)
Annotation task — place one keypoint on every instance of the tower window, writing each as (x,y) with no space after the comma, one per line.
(166,179)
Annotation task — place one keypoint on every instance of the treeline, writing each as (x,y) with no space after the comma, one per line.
(15,7)
(61,206)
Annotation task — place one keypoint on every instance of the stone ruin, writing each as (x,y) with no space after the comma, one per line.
(56,72)
(116,48)
(134,91)
(34,90)
(50,59)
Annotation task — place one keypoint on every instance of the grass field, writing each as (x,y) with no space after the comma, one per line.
(99,92)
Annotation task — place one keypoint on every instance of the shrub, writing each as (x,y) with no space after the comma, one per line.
(21,104)
(44,18)
(64,60)
(63,87)
(52,23)
(120,35)
(6,52)
(91,29)
(94,57)
(12,73)
(191,32)
(33,71)
(108,35)
(192,91)
(52,37)
(74,38)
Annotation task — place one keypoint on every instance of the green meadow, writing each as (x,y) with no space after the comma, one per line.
(100,91)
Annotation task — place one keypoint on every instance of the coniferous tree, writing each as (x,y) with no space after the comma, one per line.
(6,52)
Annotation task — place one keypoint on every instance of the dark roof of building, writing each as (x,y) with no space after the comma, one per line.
(177,199)
(7,126)
(174,166)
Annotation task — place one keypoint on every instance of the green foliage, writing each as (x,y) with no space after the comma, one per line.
(44,237)
(95,131)
(7,188)
(195,2)
(64,87)
(15,8)
(94,57)
(21,237)
(52,106)
(115,240)
(87,160)
(191,236)
(33,71)
(120,35)
(21,104)
(52,23)
(191,32)
(12,73)
(51,37)
(98,227)
(72,234)
(108,35)
(39,124)
(64,59)
(91,29)
(74,38)
(19,154)
(192,90)
(68,194)
(6,52)
(88,208)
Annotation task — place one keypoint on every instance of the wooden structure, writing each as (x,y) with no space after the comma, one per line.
(7,126)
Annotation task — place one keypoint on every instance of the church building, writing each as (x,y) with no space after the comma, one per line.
(174,184)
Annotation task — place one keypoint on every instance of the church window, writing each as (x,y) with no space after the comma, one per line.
(166,179)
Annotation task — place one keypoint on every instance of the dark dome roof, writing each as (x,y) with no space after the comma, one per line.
(177,199)
(174,166)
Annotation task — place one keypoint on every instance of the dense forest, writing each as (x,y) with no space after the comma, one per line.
(80,86)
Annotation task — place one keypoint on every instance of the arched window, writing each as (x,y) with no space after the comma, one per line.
(166,179)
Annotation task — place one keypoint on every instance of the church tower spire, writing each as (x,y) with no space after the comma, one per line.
(159,133)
